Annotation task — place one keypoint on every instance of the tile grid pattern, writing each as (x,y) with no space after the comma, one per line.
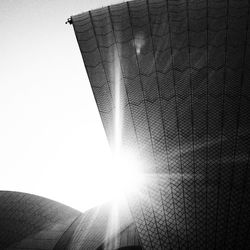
(32,222)
(185,103)
(100,226)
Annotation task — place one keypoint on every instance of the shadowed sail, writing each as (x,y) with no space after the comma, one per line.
(171,82)
(32,222)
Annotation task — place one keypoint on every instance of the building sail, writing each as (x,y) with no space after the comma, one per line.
(171,82)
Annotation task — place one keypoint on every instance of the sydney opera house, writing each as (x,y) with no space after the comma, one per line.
(171,80)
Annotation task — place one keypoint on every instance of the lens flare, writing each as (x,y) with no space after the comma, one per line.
(128,174)
(126,168)
(139,42)
(118,106)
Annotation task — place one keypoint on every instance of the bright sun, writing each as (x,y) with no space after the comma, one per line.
(126,175)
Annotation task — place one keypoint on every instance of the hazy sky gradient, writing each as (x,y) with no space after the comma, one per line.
(52,142)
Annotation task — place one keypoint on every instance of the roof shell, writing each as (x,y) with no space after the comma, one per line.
(184,72)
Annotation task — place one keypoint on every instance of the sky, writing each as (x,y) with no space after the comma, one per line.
(52,142)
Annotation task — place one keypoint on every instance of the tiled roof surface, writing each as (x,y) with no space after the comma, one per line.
(105,226)
(185,93)
(30,222)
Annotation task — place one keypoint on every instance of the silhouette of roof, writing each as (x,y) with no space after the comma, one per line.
(184,72)
(32,222)
(28,220)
